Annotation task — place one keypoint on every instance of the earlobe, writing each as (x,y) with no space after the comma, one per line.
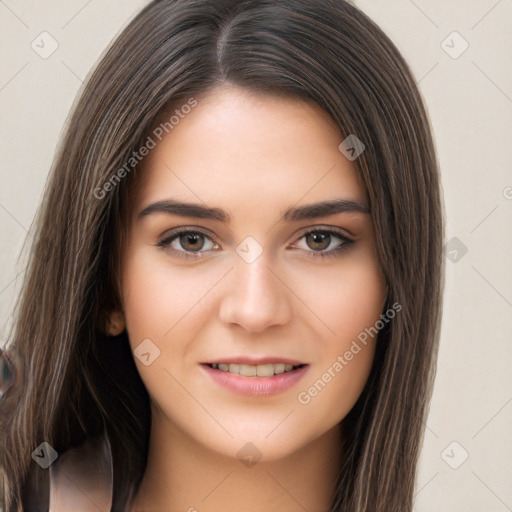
(115,324)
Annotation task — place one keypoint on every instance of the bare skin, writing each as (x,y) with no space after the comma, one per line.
(254,157)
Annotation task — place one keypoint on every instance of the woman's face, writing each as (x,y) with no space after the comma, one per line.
(251,247)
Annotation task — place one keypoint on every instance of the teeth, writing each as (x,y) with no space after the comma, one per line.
(279,368)
(250,370)
(234,368)
(265,370)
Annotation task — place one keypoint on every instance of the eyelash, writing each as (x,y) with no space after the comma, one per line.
(167,241)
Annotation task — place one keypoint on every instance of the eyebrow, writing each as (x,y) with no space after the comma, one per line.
(294,214)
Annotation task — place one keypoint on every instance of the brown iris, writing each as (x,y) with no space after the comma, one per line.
(192,241)
(319,241)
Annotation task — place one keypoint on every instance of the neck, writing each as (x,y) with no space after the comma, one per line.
(182,475)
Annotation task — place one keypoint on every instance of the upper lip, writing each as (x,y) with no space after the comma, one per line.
(254,360)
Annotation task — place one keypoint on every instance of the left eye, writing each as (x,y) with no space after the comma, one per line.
(322,242)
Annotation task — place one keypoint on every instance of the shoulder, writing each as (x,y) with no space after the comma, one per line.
(81,478)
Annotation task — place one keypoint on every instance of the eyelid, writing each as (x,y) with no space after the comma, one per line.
(186,229)
(342,233)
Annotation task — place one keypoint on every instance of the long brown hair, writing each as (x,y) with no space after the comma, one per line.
(73,384)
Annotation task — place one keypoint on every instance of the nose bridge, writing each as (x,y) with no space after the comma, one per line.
(255,298)
(254,281)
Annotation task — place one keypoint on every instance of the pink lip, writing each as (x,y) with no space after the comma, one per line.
(255,360)
(256,386)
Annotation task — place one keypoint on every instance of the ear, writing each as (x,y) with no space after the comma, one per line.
(115,323)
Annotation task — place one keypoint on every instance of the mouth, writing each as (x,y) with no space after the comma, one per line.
(256,377)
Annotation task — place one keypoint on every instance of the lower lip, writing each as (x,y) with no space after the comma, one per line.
(256,386)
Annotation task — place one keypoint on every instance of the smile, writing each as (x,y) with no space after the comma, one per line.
(261,380)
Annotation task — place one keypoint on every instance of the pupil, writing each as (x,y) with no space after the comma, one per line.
(192,242)
(320,241)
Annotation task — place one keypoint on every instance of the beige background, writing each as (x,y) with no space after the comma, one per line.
(470,103)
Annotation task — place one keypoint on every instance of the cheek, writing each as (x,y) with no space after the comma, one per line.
(157,298)
(347,309)
(345,299)
(169,306)
(161,304)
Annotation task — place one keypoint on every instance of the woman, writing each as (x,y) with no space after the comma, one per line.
(245,187)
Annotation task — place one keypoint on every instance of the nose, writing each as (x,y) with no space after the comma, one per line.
(255,297)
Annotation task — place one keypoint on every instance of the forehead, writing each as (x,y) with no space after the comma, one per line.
(236,149)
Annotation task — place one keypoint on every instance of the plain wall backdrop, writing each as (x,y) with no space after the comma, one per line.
(459,52)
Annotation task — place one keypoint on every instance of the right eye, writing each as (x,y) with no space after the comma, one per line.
(188,243)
